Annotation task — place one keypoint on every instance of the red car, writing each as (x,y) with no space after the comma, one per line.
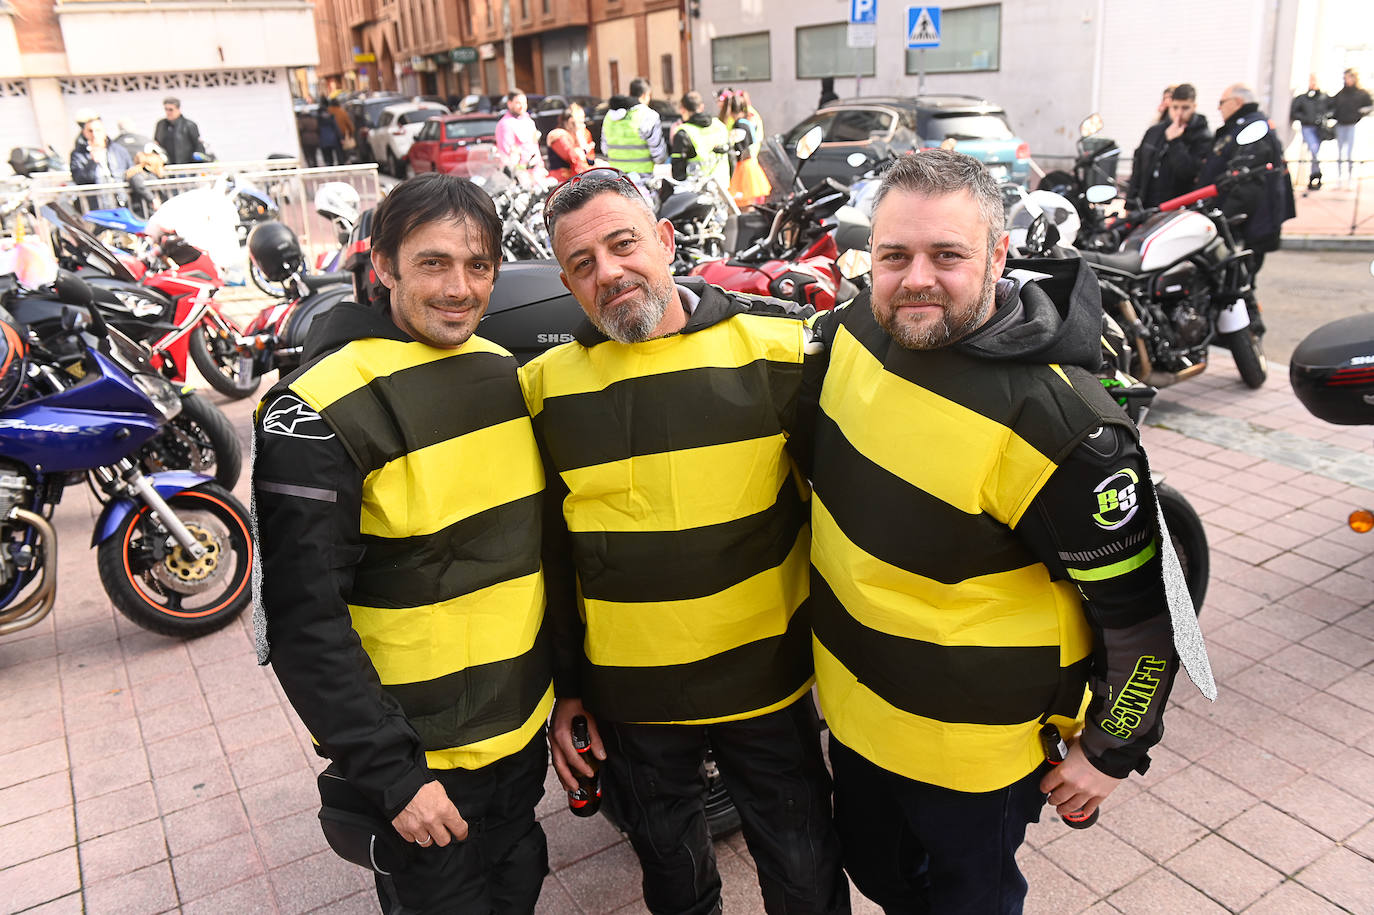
(442,145)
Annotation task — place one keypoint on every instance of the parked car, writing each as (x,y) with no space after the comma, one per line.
(365,109)
(396,128)
(442,143)
(876,124)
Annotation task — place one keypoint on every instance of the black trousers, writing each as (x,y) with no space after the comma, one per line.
(776,775)
(500,867)
(917,848)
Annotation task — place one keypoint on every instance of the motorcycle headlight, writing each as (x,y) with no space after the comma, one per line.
(161,392)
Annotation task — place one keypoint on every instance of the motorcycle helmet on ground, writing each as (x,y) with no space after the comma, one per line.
(275,251)
(14,358)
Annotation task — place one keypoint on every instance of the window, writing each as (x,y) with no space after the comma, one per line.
(417,117)
(666,68)
(970,39)
(858,125)
(823,50)
(429,132)
(545,7)
(800,130)
(740,58)
(967,127)
(468,130)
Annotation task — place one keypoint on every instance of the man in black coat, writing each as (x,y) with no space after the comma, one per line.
(1310,110)
(177,134)
(1266,202)
(1171,152)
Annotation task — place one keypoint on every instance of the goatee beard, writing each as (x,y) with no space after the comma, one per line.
(950,327)
(635,321)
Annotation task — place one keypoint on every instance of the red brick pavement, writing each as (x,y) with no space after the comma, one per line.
(142,774)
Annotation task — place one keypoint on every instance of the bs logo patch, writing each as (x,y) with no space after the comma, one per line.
(1117,499)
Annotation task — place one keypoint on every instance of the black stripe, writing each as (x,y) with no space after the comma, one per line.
(674,411)
(432,403)
(681,565)
(743,679)
(893,520)
(480,702)
(1028,398)
(496,545)
(963,684)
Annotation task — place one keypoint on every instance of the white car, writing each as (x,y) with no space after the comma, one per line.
(395,131)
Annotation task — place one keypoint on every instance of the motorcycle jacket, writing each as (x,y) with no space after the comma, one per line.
(397,493)
(632,140)
(985,544)
(1267,201)
(1166,168)
(694,148)
(1349,105)
(672,490)
(180,139)
(1310,109)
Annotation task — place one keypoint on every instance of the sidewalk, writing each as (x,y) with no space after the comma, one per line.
(1334,214)
(141,774)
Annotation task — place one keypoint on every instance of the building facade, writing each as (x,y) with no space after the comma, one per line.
(226,61)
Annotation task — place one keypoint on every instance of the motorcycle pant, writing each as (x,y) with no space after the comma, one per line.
(773,768)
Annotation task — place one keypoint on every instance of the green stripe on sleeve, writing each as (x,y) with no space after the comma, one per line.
(1129,564)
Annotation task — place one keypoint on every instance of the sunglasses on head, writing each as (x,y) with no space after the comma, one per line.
(600,172)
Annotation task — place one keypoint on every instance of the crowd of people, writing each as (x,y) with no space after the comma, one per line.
(132,158)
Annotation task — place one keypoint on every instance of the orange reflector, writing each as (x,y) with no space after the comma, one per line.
(1362,520)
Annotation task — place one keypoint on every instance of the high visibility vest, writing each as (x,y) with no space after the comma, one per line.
(448,597)
(940,640)
(626,148)
(687,518)
(706,139)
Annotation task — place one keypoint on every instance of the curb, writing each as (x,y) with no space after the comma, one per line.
(1328,243)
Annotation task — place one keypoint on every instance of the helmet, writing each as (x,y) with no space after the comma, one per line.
(14,354)
(275,251)
(337,200)
(1059,212)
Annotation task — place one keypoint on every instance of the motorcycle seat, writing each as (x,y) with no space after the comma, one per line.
(317,281)
(1119,261)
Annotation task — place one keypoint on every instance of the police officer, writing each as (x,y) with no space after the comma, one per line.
(632,134)
(397,490)
(700,143)
(666,426)
(985,543)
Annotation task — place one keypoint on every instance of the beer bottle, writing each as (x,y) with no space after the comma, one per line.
(1056,751)
(586,800)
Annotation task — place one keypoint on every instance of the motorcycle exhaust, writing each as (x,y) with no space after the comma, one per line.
(37,605)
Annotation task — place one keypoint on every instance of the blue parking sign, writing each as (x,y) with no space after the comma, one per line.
(922,26)
(863,12)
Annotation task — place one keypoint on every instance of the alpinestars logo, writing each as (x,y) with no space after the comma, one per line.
(1117,499)
(290,416)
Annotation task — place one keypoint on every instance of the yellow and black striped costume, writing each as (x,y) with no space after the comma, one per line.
(687,517)
(448,598)
(940,639)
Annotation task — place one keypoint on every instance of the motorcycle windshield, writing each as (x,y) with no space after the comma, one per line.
(67,224)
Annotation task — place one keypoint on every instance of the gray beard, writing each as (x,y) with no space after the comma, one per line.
(634,323)
(948,328)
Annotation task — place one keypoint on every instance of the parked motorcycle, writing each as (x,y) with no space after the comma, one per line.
(1094,165)
(702,213)
(1332,373)
(174,549)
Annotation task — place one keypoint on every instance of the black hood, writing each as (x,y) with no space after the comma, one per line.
(346,322)
(701,119)
(1048,311)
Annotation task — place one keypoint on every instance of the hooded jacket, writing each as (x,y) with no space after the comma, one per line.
(1166,168)
(984,544)
(1267,201)
(645,121)
(397,492)
(684,148)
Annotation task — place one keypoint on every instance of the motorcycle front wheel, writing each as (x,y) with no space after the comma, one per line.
(1189,539)
(200,439)
(1248,351)
(153,581)
(217,357)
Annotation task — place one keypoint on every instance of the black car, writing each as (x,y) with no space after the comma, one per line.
(365,110)
(877,124)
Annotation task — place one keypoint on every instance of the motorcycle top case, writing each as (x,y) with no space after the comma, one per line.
(530,310)
(1332,371)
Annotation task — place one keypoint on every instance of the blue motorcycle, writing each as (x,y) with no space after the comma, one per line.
(174,550)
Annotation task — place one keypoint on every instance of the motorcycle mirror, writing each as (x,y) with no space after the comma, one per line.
(72,289)
(854,262)
(808,142)
(1100,193)
(1252,132)
(854,160)
(1090,125)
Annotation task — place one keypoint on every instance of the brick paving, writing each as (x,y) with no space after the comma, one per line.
(142,774)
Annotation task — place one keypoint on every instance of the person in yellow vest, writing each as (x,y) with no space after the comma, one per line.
(632,133)
(985,544)
(397,494)
(701,143)
(677,586)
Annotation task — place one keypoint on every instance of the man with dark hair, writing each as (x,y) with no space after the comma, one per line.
(985,544)
(632,134)
(397,491)
(668,428)
(700,143)
(176,134)
(1168,158)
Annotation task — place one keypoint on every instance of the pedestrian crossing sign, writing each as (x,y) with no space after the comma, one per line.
(923,26)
